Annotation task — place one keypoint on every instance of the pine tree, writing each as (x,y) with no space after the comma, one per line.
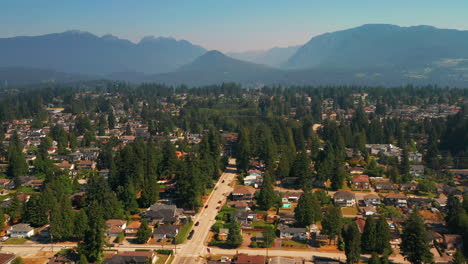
(369,236)
(267,197)
(415,241)
(144,233)
(301,169)
(81,225)
(93,243)
(374,258)
(35,211)
(338,177)
(352,240)
(332,222)
(383,236)
(308,209)
(234,239)
(458,258)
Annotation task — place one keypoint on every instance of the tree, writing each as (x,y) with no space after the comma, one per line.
(2,219)
(374,258)
(144,233)
(81,225)
(35,211)
(234,239)
(332,222)
(338,178)
(301,169)
(93,243)
(383,235)
(308,209)
(352,240)
(267,197)
(415,241)
(369,236)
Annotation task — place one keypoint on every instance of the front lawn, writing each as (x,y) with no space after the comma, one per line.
(349,210)
(16,241)
(183,233)
(290,243)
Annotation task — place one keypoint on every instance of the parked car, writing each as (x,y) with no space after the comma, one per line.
(197,223)
(206,206)
(222,181)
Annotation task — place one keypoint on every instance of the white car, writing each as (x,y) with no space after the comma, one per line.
(5,238)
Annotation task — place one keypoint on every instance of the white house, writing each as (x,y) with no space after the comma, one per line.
(21,230)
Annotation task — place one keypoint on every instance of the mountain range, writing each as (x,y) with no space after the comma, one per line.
(374,54)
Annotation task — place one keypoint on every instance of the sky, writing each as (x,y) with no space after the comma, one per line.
(225,25)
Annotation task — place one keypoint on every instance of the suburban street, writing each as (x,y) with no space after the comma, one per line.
(195,247)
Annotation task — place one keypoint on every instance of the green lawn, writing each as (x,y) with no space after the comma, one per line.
(289,243)
(16,241)
(183,233)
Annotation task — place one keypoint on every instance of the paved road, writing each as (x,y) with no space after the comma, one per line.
(195,247)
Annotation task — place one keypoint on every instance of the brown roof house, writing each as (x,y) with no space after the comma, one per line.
(360,182)
(132,257)
(344,198)
(243,193)
(115,227)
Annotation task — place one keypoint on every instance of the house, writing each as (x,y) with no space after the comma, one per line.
(360,182)
(166,231)
(410,187)
(163,214)
(86,165)
(132,257)
(65,165)
(4,182)
(384,186)
(248,259)
(293,232)
(21,230)
(452,242)
(416,170)
(115,227)
(243,193)
(7,258)
(344,198)
(223,233)
(396,199)
(371,199)
(132,228)
(241,205)
(415,157)
(369,210)
(420,203)
(356,170)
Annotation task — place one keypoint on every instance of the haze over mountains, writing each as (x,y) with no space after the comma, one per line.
(375,54)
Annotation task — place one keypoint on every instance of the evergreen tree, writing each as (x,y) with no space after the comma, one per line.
(308,209)
(338,177)
(383,236)
(458,258)
(352,240)
(332,222)
(35,211)
(415,241)
(369,236)
(81,225)
(62,221)
(234,239)
(267,197)
(93,243)
(144,233)
(374,258)
(301,169)
(2,219)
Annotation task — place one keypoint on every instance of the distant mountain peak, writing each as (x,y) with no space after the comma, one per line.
(77,32)
(152,39)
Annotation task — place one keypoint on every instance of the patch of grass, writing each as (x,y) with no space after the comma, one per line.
(290,243)
(349,210)
(16,241)
(183,233)
(25,189)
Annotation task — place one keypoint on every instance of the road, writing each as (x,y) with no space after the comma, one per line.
(191,251)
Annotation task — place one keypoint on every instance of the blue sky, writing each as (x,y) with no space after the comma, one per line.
(226,25)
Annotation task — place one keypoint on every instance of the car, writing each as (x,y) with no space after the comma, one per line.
(216,188)
(222,181)
(217,207)
(191,234)
(5,238)
(219,201)
(197,223)
(206,206)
